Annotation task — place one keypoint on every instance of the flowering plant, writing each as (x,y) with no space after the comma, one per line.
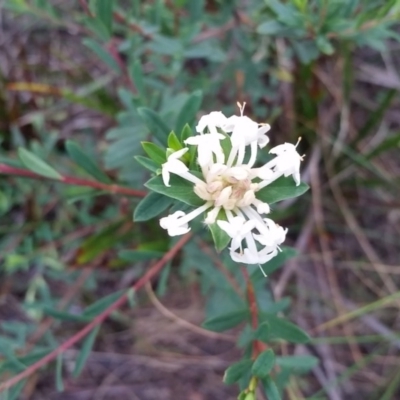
(215,171)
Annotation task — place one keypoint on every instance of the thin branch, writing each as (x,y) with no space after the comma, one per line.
(70,180)
(182,322)
(258,347)
(99,319)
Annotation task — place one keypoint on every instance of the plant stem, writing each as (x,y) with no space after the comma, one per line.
(70,180)
(99,319)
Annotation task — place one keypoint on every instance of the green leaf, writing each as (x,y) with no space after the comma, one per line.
(236,371)
(99,243)
(156,153)
(154,123)
(270,389)
(180,189)
(64,316)
(102,54)
(59,379)
(281,189)
(263,332)
(325,45)
(186,133)
(81,159)
(139,255)
(263,364)
(188,112)
(136,74)
(36,165)
(148,163)
(100,305)
(226,321)
(283,329)
(392,142)
(297,363)
(272,27)
(173,141)
(151,206)
(220,237)
(104,12)
(85,351)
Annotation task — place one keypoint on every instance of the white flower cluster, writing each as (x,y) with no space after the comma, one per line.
(231,184)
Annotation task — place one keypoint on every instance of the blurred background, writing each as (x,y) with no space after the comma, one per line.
(325,71)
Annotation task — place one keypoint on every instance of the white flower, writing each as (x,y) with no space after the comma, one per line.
(173,225)
(211,121)
(174,165)
(287,161)
(230,186)
(207,145)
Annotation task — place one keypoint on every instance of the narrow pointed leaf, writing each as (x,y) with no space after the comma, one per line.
(36,165)
(85,162)
(282,329)
(189,110)
(151,206)
(226,321)
(263,364)
(281,189)
(180,189)
(236,371)
(154,123)
(85,351)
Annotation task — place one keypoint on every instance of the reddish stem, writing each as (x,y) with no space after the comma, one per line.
(99,319)
(258,347)
(70,180)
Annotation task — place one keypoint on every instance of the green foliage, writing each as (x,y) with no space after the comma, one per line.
(226,321)
(85,162)
(37,165)
(263,364)
(281,189)
(151,206)
(142,75)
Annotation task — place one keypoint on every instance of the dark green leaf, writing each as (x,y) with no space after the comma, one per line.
(189,110)
(263,332)
(100,305)
(59,378)
(270,389)
(104,11)
(148,163)
(136,74)
(325,45)
(226,321)
(281,189)
(85,351)
(156,153)
(102,54)
(263,364)
(81,159)
(139,255)
(272,27)
(297,363)
(236,371)
(180,189)
(64,316)
(151,206)
(99,243)
(390,143)
(283,329)
(36,165)
(220,237)
(155,124)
